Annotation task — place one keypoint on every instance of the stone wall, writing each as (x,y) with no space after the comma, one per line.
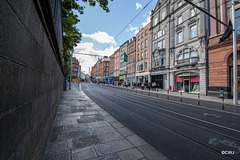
(31,76)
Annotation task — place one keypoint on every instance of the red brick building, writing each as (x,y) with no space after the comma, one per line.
(131,62)
(75,67)
(221,55)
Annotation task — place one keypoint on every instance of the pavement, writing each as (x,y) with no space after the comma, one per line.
(82,130)
(185,95)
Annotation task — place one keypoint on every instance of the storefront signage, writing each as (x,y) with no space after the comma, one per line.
(121,77)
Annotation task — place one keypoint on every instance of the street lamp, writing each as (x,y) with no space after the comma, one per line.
(235,82)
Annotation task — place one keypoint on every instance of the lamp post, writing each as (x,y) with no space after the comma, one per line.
(235,82)
(70,79)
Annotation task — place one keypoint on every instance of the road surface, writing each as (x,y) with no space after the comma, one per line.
(178,130)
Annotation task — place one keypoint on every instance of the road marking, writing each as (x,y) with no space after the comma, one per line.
(213,115)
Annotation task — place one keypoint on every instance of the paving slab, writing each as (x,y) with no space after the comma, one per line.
(125,131)
(84,153)
(151,153)
(131,154)
(113,146)
(136,140)
(116,124)
(108,137)
(82,130)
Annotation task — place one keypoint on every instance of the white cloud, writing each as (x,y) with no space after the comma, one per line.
(101,37)
(138,6)
(131,29)
(88,48)
(147,19)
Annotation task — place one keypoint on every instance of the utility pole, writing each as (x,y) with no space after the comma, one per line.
(70,79)
(235,82)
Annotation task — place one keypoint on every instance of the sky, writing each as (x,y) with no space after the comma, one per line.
(99,28)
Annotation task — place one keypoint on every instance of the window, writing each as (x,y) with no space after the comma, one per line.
(160,33)
(115,60)
(138,57)
(141,45)
(193,54)
(192,12)
(163,15)
(179,4)
(138,37)
(129,58)
(142,55)
(155,46)
(107,64)
(193,31)
(163,43)
(179,37)
(118,60)
(104,64)
(146,32)
(160,45)
(179,20)
(145,42)
(142,35)
(156,61)
(162,60)
(185,55)
(130,49)
(138,47)
(145,65)
(115,67)
(155,21)
(163,32)
(107,69)
(146,54)
(180,57)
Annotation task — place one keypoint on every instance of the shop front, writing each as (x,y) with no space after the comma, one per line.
(160,80)
(189,84)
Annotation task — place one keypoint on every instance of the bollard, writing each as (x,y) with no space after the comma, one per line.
(168,94)
(181,96)
(157,92)
(198,98)
(222,103)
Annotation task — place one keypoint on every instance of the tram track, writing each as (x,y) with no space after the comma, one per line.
(150,108)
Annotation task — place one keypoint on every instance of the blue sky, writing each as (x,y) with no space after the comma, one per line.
(99,28)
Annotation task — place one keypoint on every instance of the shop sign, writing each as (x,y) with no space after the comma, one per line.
(121,77)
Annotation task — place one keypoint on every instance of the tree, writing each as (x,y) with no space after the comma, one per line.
(71,35)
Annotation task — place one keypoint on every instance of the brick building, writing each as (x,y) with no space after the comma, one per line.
(75,68)
(131,62)
(143,55)
(116,66)
(220,55)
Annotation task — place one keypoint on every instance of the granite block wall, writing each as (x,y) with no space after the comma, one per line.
(31,77)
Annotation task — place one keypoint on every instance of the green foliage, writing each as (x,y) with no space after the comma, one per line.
(71,35)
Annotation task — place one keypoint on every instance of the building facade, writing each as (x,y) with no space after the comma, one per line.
(178,35)
(131,65)
(75,68)
(160,34)
(188,47)
(143,55)
(116,66)
(221,54)
(123,65)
